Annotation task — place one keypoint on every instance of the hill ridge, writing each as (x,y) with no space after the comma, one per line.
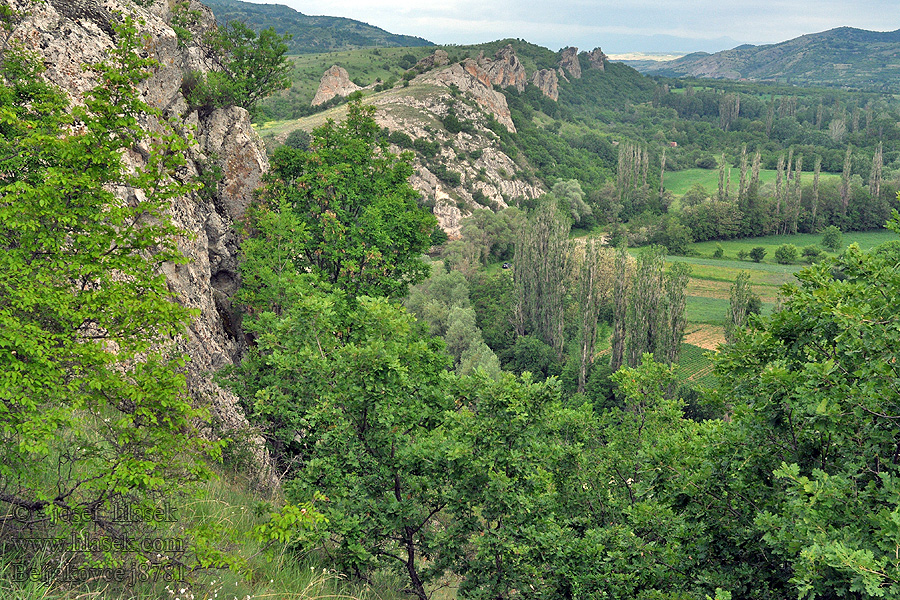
(844,57)
(311,34)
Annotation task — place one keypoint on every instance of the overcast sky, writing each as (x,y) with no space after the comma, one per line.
(614,25)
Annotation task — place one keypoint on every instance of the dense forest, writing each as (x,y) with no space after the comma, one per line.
(497,416)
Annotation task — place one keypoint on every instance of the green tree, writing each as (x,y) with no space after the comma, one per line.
(694,196)
(541,267)
(349,392)
(93,407)
(571,202)
(363,229)
(812,253)
(786,254)
(832,238)
(621,286)
(673,320)
(740,305)
(298,139)
(644,319)
(814,394)
(594,274)
(245,68)
(757,253)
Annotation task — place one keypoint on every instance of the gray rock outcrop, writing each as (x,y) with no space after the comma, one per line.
(440,58)
(569,61)
(471,79)
(70,33)
(598,59)
(546,81)
(335,82)
(505,69)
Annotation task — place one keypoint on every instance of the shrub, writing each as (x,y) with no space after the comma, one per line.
(401,139)
(742,254)
(720,251)
(706,162)
(446,175)
(427,148)
(812,254)
(757,253)
(832,238)
(786,254)
(298,139)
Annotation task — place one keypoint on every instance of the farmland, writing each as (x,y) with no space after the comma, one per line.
(710,285)
(679,182)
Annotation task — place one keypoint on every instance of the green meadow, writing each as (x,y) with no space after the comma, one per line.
(679,182)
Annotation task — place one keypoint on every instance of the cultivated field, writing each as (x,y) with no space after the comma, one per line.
(710,287)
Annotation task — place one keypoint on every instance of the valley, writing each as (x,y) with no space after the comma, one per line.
(321,310)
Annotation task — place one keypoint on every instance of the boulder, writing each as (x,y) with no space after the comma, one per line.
(335,82)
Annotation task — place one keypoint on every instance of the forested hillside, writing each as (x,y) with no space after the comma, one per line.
(845,58)
(310,34)
(770,147)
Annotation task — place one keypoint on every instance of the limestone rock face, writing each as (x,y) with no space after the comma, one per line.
(470,78)
(546,81)
(335,82)
(488,177)
(505,70)
(569,62)
(598,59)
(69,33)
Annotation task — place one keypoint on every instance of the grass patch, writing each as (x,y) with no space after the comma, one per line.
(679,182)
(865,239)
(269,572)
(703,309)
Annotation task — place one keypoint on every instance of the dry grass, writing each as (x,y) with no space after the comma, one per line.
(705,336)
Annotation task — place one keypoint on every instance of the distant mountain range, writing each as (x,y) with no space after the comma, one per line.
(310,34)
(843,57)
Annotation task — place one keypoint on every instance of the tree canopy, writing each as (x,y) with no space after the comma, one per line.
(362,228)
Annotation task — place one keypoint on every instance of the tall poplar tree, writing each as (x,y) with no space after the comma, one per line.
(621,287)
(845,181)
(540,270)
(671,333)
(594,274)
(644,315)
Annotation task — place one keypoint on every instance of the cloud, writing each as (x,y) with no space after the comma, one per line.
(586,22)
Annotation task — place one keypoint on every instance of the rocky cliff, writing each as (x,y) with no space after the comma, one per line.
(569,61)
(470,78)
(70,33)
(598,59)
(468,171)
(504,70)
(546,81)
